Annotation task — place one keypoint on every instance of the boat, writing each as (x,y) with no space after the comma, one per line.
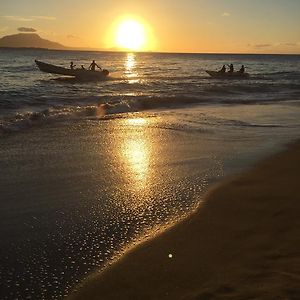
(77,73)
(226,75)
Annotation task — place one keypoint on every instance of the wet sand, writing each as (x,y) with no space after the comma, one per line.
(242,243)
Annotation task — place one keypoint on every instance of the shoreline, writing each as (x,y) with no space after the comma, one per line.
(242,242)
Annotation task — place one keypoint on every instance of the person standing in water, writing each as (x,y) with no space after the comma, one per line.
(231,69)
(93,66)
(242,69)
(72,66)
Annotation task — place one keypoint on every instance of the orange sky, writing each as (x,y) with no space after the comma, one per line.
(256,26)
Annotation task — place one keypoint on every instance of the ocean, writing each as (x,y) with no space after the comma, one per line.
(89,169)
(138,82)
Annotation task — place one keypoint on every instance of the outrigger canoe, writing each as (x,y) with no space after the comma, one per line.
(225,75)
(77,73)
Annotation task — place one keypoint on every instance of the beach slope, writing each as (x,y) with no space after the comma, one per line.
(242,243)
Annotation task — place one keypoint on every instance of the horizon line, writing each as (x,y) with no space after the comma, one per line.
(79,49)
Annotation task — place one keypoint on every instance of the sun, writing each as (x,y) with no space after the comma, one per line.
(131,35)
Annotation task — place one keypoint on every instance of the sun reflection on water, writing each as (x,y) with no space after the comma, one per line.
(136,153)
(130,63)
(137,121)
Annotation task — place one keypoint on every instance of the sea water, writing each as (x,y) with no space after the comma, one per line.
(91,168)
(137,81)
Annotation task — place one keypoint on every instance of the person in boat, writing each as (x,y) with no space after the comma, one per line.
(223,70)
(93,66)
(242,69)
(72,66)
(231,69)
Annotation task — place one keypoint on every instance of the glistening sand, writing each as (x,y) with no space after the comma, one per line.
(242,243)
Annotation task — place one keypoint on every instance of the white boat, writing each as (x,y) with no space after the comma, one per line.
(77,73)
(225,75)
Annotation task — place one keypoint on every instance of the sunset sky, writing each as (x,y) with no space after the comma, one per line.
(252,26)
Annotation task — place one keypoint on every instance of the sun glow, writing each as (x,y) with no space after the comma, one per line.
(131,35)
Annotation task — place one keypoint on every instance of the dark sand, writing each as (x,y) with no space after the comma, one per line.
(242,243)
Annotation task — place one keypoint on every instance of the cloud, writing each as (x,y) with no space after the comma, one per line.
(289,44)
(26,29)
(226,14)
(262,45)
(28,19)
(48,18)
(17,18)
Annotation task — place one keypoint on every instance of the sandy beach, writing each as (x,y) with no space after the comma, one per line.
(243,242)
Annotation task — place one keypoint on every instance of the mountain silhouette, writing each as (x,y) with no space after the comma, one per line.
(28,40)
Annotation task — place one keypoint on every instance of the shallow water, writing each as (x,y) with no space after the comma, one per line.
(77,186)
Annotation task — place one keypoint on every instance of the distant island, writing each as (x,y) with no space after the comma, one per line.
(28,40)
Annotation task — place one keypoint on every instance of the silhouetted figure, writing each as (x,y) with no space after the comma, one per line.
(223,70)
(82,67)
(72,66)
(231,69)
(242,69)
(93,66)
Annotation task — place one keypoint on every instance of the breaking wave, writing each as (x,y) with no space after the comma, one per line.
(101,109)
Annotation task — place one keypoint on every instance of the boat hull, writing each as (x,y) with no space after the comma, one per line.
(227,75)
(77,73)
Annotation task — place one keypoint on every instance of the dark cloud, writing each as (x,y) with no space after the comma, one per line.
(26,29)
